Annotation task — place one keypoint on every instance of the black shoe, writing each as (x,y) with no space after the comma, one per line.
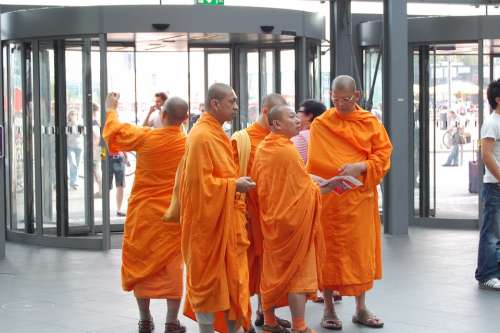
(259,320)
(146,326)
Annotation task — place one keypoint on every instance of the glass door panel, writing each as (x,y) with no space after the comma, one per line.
(16,137)
(218,69)
(287,63)
(75,138)
(196,84)
(48,137)
(456,100)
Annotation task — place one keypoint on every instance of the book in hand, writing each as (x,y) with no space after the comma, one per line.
(341,184)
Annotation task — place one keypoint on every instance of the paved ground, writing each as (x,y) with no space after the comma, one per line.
(428,287)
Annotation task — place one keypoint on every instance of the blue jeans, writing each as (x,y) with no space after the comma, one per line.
(74,163)
(453,157)
(489,238)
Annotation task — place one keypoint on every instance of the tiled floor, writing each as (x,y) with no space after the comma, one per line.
(428,286)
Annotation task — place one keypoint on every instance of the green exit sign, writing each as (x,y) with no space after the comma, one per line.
(210,2)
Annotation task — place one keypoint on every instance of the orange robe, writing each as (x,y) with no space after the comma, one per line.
(257,133)
(289,204)
(351,222)
(214,239)
(151,256)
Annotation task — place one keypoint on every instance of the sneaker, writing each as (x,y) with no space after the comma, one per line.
(120,214)
(491,284)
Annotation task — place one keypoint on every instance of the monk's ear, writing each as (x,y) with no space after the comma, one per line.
(265,110)
(357,95)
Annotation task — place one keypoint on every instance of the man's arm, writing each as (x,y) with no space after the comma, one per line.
(487,152)
(147,122)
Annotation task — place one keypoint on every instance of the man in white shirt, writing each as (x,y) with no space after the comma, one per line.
(156,122)
(488,268)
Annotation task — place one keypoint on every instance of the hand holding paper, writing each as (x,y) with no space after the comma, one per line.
(339,184)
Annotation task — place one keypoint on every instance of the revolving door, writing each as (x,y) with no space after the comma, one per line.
(58,190)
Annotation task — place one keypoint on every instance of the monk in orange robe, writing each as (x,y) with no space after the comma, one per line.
(245,144)
(152,264)
(347,140)
(289,202)
(212,212)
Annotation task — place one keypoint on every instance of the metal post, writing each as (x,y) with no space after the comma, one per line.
(397,196)
(61,142)
(3,188)
(38,138)
(341,37)
(27,139)
(88,137)
(106,228)
(301,78)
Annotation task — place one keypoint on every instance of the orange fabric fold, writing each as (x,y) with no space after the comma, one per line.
(351,222)
(214,239)
(290,206)
(257,133)
(150,246)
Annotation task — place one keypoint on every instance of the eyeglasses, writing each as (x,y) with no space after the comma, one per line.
(343,99)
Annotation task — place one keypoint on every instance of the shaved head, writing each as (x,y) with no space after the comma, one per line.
(278,112)
(284,121)
(272,100)
(176,109)
(221,102)
(344,83)
(217,91)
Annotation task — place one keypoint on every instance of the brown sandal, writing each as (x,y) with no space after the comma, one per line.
(174,327)
(283,322)
(146,326)
(368,319)
(274,329)
(333,323)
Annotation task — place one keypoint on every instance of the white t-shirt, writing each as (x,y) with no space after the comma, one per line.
(157,120)
(491,129)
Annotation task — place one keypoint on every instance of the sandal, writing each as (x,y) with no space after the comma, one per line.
(146,326)
(274,329)
(283,322)
(174,327)
(333,323)
(368,319)
(259,320)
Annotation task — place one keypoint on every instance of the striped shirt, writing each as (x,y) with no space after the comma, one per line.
(301,141)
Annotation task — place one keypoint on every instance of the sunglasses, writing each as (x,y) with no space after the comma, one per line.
(343,99)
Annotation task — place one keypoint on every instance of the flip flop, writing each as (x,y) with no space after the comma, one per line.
(368,319)
(333,323)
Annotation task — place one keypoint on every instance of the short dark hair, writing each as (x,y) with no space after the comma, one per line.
(313,107)
(161,95)
(493,92)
